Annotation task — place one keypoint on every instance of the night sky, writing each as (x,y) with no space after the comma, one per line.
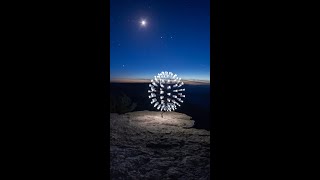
(150,36)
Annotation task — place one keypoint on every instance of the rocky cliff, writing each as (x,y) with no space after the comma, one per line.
(156,145)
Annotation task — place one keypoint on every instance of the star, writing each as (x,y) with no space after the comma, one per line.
(143,23)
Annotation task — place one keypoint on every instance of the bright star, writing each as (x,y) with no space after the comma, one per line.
(143,23)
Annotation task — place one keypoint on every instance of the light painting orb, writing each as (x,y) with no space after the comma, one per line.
(166,92)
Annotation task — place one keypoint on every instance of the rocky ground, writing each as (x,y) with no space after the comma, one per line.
(152,145)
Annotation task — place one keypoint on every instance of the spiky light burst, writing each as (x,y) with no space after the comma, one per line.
(166,92)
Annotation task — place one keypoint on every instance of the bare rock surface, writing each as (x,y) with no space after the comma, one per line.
(156,145)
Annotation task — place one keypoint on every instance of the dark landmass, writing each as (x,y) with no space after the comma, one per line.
(196,103)
(152,145)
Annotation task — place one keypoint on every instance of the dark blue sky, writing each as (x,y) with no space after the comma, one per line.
(176,38)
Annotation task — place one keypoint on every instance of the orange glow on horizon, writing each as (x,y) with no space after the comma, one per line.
(191,82)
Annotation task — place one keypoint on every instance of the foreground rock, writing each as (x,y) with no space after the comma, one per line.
(145,145)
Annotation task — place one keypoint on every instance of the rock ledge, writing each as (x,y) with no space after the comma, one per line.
(152,145)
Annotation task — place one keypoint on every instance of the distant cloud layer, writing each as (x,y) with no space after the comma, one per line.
(186,81)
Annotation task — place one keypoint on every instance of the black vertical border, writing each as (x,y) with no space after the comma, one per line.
(217,88)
